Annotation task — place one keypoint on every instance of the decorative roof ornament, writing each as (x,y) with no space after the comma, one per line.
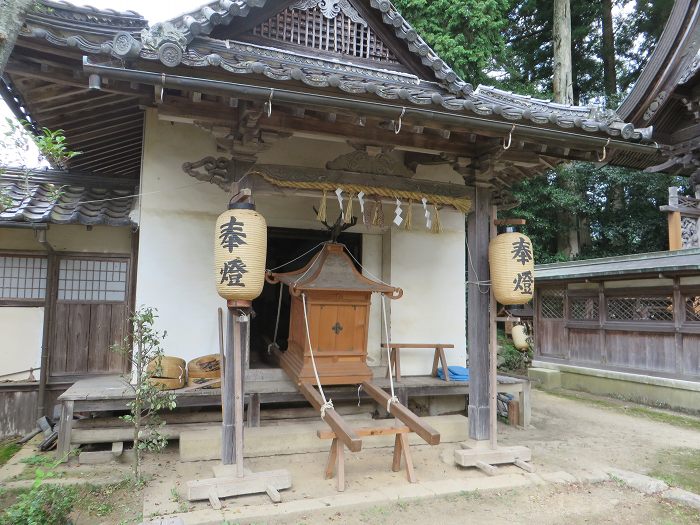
(167,40)
(331,9)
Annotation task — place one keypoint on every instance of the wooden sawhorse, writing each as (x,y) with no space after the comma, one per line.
(439,357)
(336,456)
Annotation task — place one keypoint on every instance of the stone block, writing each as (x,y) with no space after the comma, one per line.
(545,378)
(682,496)
(639,482)
(299,438)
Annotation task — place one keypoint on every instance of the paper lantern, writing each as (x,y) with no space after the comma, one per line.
(512,267)
(240,250)
(520,337)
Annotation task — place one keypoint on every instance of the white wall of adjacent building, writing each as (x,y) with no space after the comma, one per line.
(175,270)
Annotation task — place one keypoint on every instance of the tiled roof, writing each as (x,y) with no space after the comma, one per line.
(183,40)
(625,265)
(59,198)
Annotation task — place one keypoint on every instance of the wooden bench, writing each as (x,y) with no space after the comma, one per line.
(438,357)
(336,456)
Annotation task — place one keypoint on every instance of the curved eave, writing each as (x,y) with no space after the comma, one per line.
(674,52)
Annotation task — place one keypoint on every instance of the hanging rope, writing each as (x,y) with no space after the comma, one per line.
(393,398)
(327,403)
(277,321)
(462,204)
(296,258)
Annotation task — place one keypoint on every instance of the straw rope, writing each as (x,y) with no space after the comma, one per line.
(323,207)
(462,204)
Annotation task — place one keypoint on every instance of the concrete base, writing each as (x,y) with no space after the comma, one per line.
(648,390)
(547,379)
(297,438)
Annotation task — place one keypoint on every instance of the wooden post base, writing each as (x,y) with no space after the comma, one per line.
(227,484)
(483,457)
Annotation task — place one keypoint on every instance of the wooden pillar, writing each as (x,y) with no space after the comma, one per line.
(478,229)
(227,404)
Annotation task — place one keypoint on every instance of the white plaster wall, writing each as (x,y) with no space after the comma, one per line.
(430,269)
(176,248)
(70,238)
(177,219)
(22,330)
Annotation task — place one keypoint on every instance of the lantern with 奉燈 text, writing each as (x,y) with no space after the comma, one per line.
(240,251)
(512,267)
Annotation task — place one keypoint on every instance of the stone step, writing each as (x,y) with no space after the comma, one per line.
(299,438)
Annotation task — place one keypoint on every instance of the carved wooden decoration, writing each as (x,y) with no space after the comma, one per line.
(683,220)
(326,25)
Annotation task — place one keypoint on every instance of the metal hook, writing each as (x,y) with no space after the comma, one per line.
(162,87)
(605,152)
(268,104)
(397,128)
(510,138)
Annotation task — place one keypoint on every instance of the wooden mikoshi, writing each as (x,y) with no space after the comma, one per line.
(337,301)
(512,268)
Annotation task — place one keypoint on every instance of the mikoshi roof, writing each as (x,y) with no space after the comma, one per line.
(58,198)
(331,269)
(677,261)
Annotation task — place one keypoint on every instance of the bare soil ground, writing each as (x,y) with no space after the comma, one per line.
(599,504)
(579,436)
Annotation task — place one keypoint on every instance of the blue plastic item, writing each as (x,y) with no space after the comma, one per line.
(457,373)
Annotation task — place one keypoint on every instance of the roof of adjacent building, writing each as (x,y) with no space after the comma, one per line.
(50,196)
(621,267)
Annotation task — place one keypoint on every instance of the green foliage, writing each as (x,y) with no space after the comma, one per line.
(42,505)
(616,208)
(52,145)
(7,450)
(510,359)
(144,347)
(468,34)
(43,460)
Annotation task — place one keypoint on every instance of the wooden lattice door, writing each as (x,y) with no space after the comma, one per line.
(90,316)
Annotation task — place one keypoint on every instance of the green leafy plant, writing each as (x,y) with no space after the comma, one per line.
(41,460)
(510,359)
(42,505)
(149,400)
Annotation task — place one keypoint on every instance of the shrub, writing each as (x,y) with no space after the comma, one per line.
(42,505)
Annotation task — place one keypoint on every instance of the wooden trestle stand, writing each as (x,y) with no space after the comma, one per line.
(481,454)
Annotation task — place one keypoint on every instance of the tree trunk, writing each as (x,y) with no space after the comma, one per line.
(562,83)
(608,50)
(12,13)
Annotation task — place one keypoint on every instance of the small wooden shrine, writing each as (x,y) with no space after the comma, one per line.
(337,300)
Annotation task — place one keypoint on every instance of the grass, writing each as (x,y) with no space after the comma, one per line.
(679,467)
(7,450)
(676,420)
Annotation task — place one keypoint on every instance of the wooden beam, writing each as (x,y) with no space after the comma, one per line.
(118,129)
(26,71)
(345,434)
(675,238)
(408,418)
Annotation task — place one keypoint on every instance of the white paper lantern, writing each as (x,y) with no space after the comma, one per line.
(240,249)
(512,266)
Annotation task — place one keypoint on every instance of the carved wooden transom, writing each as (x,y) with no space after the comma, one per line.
(332,26)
